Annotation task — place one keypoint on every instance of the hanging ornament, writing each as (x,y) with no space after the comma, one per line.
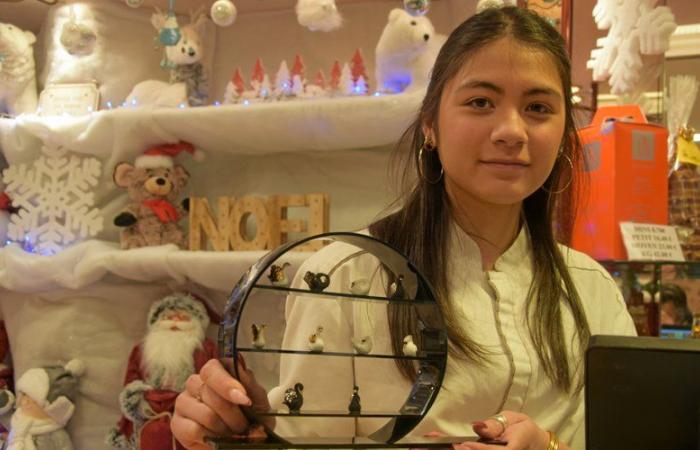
(318,15)
(134,3)
(416,7)
(169,35)
(223,12)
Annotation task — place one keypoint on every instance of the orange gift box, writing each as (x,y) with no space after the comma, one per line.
(626,160)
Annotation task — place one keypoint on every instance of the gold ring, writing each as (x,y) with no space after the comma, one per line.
(500,418)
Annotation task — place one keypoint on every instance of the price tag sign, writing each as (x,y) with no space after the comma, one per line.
(651,242)
(69,99)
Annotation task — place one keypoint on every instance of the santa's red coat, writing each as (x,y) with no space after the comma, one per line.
(156,434)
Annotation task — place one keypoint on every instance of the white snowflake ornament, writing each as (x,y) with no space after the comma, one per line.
(55,198)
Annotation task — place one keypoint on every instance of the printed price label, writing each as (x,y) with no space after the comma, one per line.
(645,241)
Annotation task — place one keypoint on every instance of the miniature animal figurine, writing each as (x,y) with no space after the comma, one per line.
(154,182)
(315,341)
(359,287)
(409,347)
(78,37)
(354,406)
(17,73)
(396,289)
(363,345)
(406,52)
(259,335)
(278,275)
(188,82)
(317,282)
(293,398)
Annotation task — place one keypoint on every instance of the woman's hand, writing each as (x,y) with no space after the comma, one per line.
(210,405)
(519,431)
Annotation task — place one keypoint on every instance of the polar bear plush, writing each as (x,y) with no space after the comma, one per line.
(17,74)
(406,52)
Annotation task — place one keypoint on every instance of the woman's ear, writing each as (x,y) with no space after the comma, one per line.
(429,134)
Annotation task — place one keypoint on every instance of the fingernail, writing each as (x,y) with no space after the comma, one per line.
(239,397)
(479,424)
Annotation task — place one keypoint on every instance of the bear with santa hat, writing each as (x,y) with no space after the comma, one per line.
(45,397)
(174,348)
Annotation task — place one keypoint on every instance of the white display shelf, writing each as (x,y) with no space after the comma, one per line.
(90,261)
(258,128)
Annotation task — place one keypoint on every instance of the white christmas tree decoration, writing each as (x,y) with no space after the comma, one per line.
(230,94)
(283,84)
(55,200)
(632,52)
(297,86)
(265,88)
(347,87)
(361,86)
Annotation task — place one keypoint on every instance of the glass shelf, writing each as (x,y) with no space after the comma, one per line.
(422,357)
(341,294)
(337,413)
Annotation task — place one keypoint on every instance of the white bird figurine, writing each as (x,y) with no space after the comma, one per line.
(315,341)
(409,348)
(363,345)
(360,287)
(259,335)
(396,289)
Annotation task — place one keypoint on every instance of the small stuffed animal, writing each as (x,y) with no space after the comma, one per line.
(406,52)
(17,72)
(154,183)
(188,82)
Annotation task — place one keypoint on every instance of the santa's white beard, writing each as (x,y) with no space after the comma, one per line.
(168,354)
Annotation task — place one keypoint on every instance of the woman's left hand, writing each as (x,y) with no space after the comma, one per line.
(519,431)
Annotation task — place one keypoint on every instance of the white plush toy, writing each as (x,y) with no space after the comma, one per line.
(188,82)
(318,15)
(17,74)
(406,52)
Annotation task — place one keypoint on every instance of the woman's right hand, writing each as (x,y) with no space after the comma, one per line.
(210,405)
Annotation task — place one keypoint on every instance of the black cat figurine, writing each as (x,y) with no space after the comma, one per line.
(317,281)
(293,398)
(354,406)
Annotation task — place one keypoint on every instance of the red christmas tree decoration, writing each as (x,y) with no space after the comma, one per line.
(297,68)
(320,79)
(335,75)
(357,66)
(238,82)
(258,74)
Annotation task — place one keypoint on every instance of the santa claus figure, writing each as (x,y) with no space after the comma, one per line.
(174,348)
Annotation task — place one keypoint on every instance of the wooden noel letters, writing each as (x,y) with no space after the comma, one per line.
(228,228)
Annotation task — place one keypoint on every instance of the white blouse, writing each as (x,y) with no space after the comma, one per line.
(491,308)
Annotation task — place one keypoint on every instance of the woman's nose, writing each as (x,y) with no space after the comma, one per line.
(510,129)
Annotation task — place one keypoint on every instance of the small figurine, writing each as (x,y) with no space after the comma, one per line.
(259,335)
(315,341)
(360,287)
(396,290)
(409,348)
(317,281)
(362,346)
(354,406)
(278,275)
(293,398)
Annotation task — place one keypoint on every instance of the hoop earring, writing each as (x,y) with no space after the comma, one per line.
(427,146)
(571,177)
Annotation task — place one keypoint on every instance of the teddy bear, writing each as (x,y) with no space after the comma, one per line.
(17,73)
(154,183)
(406,52)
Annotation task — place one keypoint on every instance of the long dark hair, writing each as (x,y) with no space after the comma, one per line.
(421,226)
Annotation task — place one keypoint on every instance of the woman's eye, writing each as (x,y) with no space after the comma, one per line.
(539,108)
(480,103)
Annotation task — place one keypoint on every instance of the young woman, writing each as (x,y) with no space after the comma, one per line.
(491,154)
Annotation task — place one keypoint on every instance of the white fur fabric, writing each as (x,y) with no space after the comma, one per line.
(318,15)
(124,52)
(406,52)
(17,73)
